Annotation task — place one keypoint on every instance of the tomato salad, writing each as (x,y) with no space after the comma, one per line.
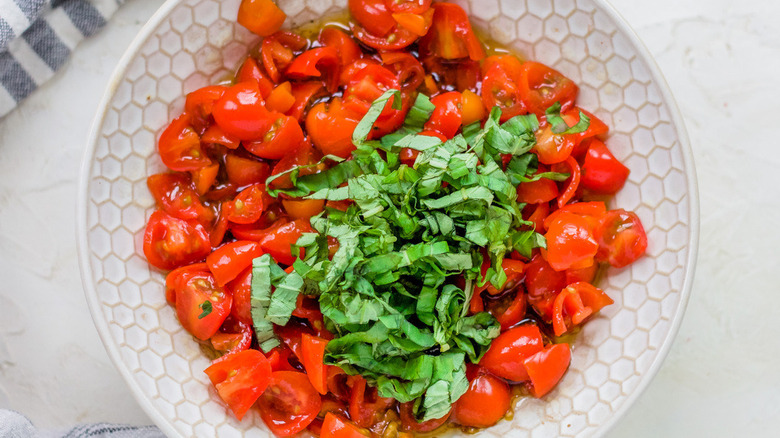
(386,229)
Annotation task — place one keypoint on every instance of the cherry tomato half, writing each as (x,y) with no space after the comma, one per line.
(201,305)
(227,261)
(410,423)
(547,367)
(170,242)
(485,402)
(601,171)
(541,86)
(289,403)
(621,238)
(179,146)
(507,352)
(241,112)
(240,379)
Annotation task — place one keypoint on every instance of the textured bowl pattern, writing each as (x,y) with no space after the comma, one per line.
(196,42)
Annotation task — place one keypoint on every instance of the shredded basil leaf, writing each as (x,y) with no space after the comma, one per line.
(559,125)
(207,308)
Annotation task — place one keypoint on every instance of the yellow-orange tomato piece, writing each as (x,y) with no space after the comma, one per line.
(303,208)
(473,110)
(262,17)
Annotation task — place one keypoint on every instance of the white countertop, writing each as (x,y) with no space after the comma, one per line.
(721,59)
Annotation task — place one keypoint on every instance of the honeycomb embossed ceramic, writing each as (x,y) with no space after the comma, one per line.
(192,43)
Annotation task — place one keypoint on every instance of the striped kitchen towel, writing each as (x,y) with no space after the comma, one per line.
(15,425)
(36,38)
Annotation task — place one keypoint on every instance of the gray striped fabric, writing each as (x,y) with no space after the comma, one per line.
(15,425)
(36,38)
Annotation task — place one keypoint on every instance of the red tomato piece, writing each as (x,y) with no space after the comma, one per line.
(553,148)
(278,51)
(283,137)
(621,238)
(540,191)
(570,242)
(281,98)
(179,146)
(249,205)
(595,128)
(304,93)
(368,83)
(507,352)
(234,336)
(592,296)
(447,117)
(366,407)
(500,86)
(289,403)
(217,232)
(542,283)
(485,402)
(568,310)
(313,351)
(170,242)
(241,112)
(418,24)
(174,193)
(513,313)
(243,171)
(201,305)
(601,171)
(227,261)
(240,379)
(336,426)
(330,127)
(571,167)
(586,275)
(262,17)
(407,69)
(373,15)
(398,38)
(200,103)
(409,422)
(241,289)
(173,279)
(541,86)
(538,216)
(345,46)
(451,35)
(547,367)
(250,71)
(315,63)
(593,211)
(279,357)
(408,6)
(215,135)
(278,243)
(303,208)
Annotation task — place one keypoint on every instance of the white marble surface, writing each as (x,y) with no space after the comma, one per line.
(720,379)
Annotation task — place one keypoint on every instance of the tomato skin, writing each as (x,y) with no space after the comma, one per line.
(592,211)
(315,63)
(621,238)
(541,86)
(398,38)
(278,243)
(251,71)
(547,367)
(330,127)
(485,402)
(303,208)
(289,404)
(241,289)
(179,146)
(418,24)
(244,171)
(277,52)
(303,92)
(249,205)
(241,112)
(570,242)
(451,36)
(447,118)
(372,15)
(195,288)
(500,86)
(313,351)
(473,108)
(595,128)
(537,192)
(240,379)
(170,242)
(408,6)
(262,17)
(215,135)
(553,148)
(175,195)
(335,426)
(542,283)
(407,69)
(365,404)
(283,137)
(227,261)
(409,423)
(366,84)
(601,171)
(200,103)
(572,183)
(345,46)
(507,352)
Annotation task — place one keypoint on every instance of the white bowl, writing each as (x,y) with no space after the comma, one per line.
(192,43)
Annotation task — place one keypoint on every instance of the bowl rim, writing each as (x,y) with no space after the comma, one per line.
(146,403)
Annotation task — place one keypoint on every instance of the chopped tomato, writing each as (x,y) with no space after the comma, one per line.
(418,24)
(365,405)
(278,51)
(408,6)
(241,289)
(345,46)
(241,379)
(541,86)
(227,261)
(507,352)
(280,99)
(601,171)
(215,135)
(542,283)
(313,351)
(283,137)
(173,279)
(241,112)
(243,171)
(451,36)
(200,104)
(571,167)
(547,367)
(303,208)
(570,242)
(175,195)
(553,148)
(398,38)
(473,109)
(278,243)
(336,426)
(249,205)
(596,128)
(485,402)
(330,127)
(410,423)
(540,191)
(407,69)
(621,238)
(289,403)
(170,242)
(201,304)
(251,71)
(373,15)
(304,93)
(500,86)
(315,63)
(262,17)
(447,117)
(179,146)
(568,310)
(234,336)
